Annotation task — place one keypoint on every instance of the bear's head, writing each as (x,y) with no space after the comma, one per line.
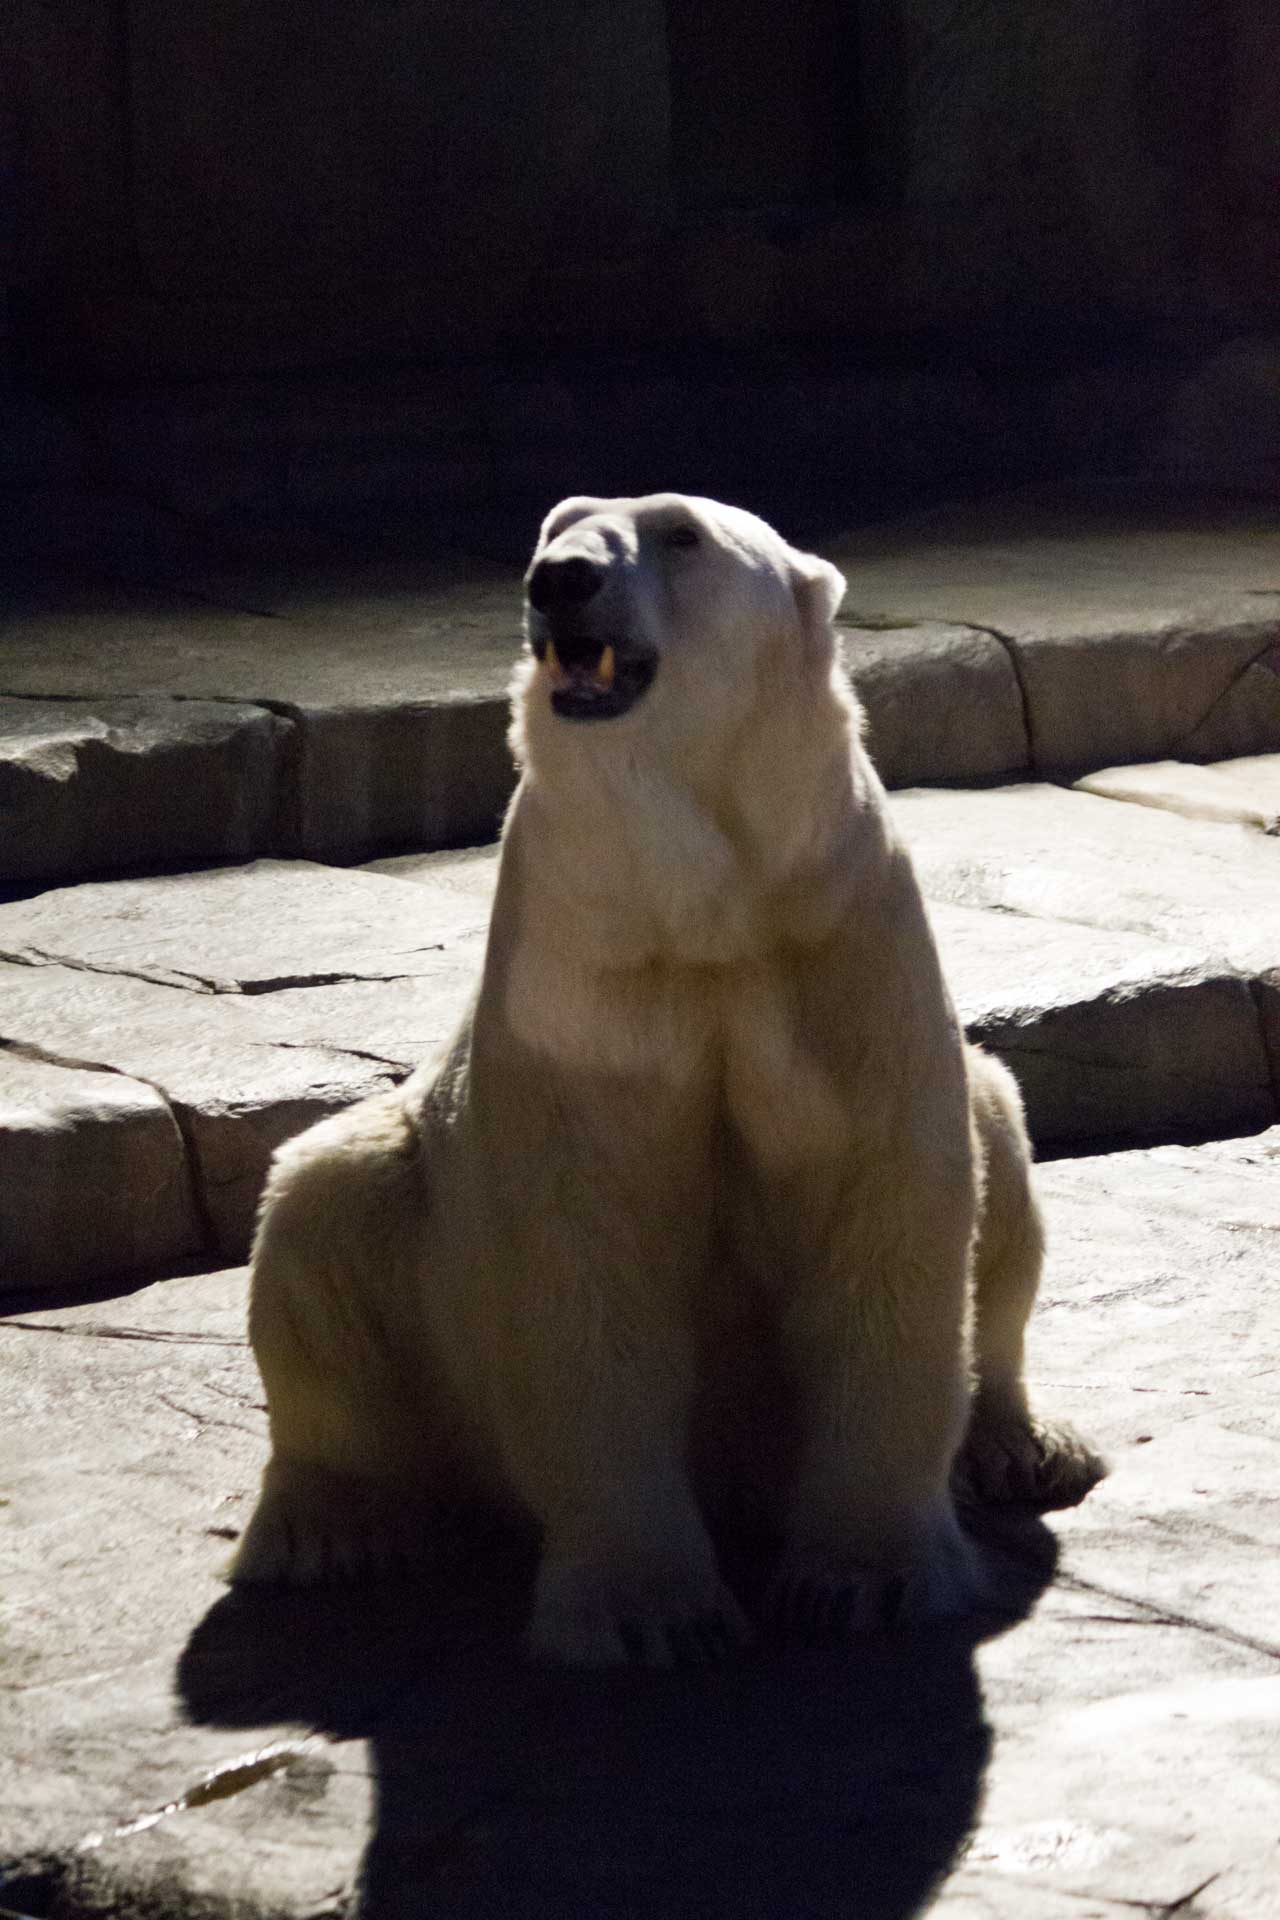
(667,620)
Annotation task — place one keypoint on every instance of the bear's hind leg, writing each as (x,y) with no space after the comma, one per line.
(1009,1455)
(363,1445)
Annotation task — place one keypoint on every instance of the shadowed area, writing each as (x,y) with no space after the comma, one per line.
(833,1779)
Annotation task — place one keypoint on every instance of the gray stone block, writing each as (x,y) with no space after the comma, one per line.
(258,998)
(1111,1036)
(1202,688)
(412,775)
(942,703)
(1054,855)
(93,786)
(94,1181)
(1243,792)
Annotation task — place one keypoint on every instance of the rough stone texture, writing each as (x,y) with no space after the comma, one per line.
(1137,631)
(94,786)
(1244,792)
(392,674)
(1110,1036)
(941,703)
(94,1182)
(1108,1742)
(237,930)
(1056,855)
(258,998)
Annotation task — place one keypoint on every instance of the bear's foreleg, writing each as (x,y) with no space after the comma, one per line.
(875,1341)
(592,1424)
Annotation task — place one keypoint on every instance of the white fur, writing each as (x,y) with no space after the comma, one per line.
(684,1225)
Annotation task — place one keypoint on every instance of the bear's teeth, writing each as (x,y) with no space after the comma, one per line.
(605,671)
(553,664)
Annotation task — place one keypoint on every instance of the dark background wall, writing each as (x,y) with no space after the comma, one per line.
(1006,191)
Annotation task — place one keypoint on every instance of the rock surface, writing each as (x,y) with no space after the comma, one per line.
(1056,855)
(1110,1037)
(255,999)
(396,692)
(1036,631)
(94,1180)
(1109,1742)
(938,697)
(1245,792)
(1135,633)
(1100,949)
(93,788)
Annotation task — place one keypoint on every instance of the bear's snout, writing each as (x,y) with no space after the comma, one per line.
(558,586)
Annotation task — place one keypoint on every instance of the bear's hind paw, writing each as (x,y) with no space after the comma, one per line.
(1025,1462)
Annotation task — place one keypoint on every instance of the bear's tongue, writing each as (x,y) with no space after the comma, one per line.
(582,675)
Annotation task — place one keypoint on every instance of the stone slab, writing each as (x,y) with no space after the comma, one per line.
(1245,792)
(1111,1037)
(257,998)
(1106,1743)
(392,673)
(94,1182)
(1040,630)
(1051,854)
(942,703)
(1138,630)
(91,787)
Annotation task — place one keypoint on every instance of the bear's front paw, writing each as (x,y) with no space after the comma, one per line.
(1025,1462)
(652,1611)
(825,1592)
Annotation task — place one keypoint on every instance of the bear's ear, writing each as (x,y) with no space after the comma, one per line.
(819,588)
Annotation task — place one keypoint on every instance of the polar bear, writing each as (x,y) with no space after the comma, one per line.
(708,1214)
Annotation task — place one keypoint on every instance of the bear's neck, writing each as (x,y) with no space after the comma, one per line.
(628,866)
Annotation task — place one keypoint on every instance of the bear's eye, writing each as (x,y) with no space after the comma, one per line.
(681,536)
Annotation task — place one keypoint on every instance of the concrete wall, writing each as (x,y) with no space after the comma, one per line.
(249,184)
(1007,236)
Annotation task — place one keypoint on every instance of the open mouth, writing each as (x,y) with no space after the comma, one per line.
(591,680)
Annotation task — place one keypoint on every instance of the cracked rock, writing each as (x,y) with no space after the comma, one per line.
(1053,855)
(942,703)
(392,673)
(95,786)
(1204,688)
(258,999)
(1109,1036)
(1243,792)
(94,1182)
(237,930)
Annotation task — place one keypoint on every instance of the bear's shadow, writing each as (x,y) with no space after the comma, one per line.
(790,1781)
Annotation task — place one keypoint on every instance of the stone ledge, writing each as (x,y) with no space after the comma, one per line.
(258,999)
(1022,634)
(89,787)
(1244,792)
(94,1179)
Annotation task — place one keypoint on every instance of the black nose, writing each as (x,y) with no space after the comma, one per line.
(555,585)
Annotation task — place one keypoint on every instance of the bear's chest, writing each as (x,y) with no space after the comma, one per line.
(781,1088)
(736,1042)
